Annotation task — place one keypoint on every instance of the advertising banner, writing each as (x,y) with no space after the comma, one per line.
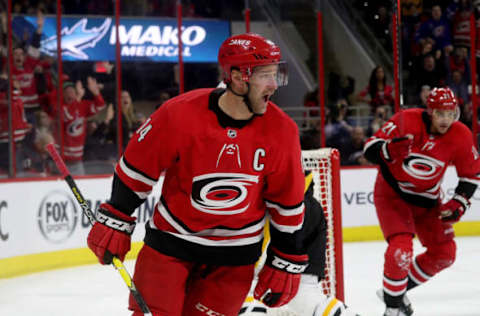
(43,216)
(50,219)
(141,39)
(357,196)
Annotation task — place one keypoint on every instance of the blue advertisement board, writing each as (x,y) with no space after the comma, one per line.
(141,39)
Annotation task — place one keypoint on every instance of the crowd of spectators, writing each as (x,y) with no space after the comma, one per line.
(436,52)
(84,124)
(164,8)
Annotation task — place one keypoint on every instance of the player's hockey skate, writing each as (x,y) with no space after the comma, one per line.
(394,312)
(405,309)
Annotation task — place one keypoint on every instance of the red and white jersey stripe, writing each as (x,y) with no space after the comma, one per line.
(221,181)
(419,175)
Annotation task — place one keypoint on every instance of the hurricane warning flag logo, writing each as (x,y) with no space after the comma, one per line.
(76,38)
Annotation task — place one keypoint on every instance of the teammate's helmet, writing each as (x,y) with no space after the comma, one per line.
(441,99)
(245,52)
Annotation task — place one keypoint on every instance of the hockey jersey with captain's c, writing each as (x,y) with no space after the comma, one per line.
(221,178)
(418,177)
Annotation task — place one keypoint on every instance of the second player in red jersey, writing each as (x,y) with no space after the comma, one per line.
(231,158)
(414,149)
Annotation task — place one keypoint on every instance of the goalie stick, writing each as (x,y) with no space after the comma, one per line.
(122,270)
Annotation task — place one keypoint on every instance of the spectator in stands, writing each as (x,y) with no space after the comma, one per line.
(426,48)
(459,86)
(461,23)
(424,92)
(353,152)
(438,29)
(458,61)
(20,127)
(130,122)
(411,8)
(382,114)
(75,114)
(466,114)
(431,74)
(37,160)
(337,130)
(339,87)
(378,92)
(26,70)
(97,146)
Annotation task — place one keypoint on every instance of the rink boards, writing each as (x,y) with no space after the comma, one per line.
(42,227)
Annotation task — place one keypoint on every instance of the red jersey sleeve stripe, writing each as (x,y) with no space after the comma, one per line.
(131,179)
(475,181)
(373,140)
(135,174)
(286,211)
(283,227)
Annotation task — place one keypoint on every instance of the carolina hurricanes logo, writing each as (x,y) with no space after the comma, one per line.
(222,193)
(422,167)
(76,127)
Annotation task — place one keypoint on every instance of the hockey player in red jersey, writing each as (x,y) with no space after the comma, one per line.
(413,150)
(225,171)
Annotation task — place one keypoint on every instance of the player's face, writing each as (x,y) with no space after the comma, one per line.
(442,120)
(263,84)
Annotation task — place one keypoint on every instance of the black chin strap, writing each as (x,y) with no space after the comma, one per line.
(245,98)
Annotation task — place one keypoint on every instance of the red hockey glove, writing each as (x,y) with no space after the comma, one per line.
(451,211)
(279,279)
(110,235)
(397,148)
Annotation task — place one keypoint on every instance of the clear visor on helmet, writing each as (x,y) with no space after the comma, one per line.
(454,114)
(270,74)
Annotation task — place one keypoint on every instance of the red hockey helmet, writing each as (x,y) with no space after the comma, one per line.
(247,51)
(441,99)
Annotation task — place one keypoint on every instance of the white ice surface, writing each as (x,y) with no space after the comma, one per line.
(96,290)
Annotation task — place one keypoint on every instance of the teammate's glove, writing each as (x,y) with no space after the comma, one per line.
(397,148)
(110,235)
(279,278)
(451,211)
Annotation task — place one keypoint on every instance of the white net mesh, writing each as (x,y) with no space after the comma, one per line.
(320,164)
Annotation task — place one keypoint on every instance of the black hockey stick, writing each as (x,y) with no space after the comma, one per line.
(91,217)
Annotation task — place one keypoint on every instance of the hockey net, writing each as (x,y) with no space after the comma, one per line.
(325,165)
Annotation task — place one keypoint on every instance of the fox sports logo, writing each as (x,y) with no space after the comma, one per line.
(57,217)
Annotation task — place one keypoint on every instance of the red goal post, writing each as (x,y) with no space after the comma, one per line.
(325,166)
